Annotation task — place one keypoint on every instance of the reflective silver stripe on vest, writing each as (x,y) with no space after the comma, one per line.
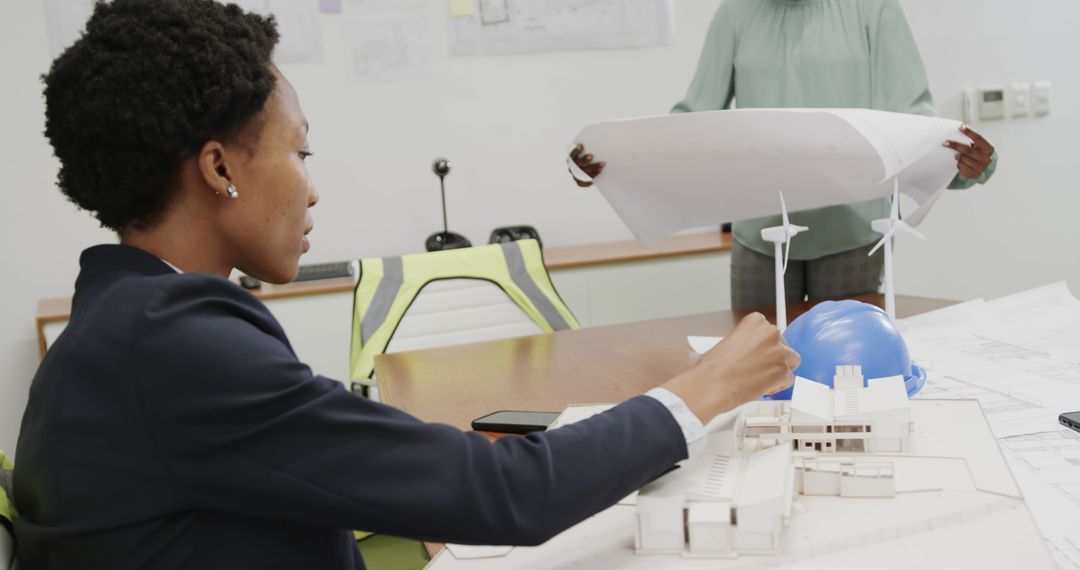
(392,279)
(515,262)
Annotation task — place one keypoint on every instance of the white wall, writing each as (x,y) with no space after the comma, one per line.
(1021,229)
(505,122)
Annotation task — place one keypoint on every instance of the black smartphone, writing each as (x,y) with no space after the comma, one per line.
(510,421)
(1070,420)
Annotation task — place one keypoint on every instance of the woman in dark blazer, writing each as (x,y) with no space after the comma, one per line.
(172,426)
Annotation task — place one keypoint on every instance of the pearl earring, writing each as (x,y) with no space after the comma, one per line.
(231,191)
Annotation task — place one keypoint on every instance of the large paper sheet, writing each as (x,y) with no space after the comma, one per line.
(1046,467)
(687,170)
(1019,356)
(1051,313)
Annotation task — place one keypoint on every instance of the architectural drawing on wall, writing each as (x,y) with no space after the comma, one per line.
(494,12)
(388,40)
(65,20)
(298,23)
(523,26)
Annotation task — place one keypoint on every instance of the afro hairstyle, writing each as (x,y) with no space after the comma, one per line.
(146,85)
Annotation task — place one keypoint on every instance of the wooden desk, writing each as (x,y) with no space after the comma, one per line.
(547,372)
(58,309)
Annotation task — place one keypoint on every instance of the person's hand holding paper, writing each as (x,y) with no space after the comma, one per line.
(973,159)
(667,173)
(582,166)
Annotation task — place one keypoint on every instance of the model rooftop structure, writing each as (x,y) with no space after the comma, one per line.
(852,418)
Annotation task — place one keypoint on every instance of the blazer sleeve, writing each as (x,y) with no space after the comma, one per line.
(243,426)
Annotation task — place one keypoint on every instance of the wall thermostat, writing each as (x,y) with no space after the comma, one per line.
(991,101)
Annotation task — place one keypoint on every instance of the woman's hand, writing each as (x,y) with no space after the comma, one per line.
(586,164)
(971,160)
(751,361)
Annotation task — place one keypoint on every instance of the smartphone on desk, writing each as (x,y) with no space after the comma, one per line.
(1070,420)
(513,421)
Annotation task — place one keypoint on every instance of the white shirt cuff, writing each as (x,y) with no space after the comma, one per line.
(691,426)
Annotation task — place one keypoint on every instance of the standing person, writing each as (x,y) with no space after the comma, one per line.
(814,54)
(172,426)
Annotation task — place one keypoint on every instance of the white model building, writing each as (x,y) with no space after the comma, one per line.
(730,504)
(845,477)
(852,418)
(737,499)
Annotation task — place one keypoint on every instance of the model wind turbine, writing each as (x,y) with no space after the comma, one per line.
(888,226)
(781,236)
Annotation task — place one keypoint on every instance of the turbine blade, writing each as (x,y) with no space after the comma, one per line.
(783,213)
(888,236)
(787,252)
(903,225)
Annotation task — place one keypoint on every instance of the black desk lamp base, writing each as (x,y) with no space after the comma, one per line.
(446,240)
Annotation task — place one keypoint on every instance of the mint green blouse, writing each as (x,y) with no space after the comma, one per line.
(814,53)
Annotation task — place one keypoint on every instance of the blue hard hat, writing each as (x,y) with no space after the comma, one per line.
(840,333)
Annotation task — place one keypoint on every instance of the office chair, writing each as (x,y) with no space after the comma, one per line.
(7,515)
(441,298)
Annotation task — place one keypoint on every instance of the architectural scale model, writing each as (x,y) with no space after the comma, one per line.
(757,495)
(851,444)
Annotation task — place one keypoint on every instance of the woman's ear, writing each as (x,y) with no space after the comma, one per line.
(213,167)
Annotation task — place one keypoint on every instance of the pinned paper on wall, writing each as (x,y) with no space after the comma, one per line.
(330,6)
(66,20)
(298,23)
(389,40)
(688,170)
(462,7)
(522,26)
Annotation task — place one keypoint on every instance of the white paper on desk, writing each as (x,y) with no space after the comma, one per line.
(1020,383)
(684,170)
(1051,313)
(470,552)
(703,344)
(947,316)
(1047,468)
(576,412)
